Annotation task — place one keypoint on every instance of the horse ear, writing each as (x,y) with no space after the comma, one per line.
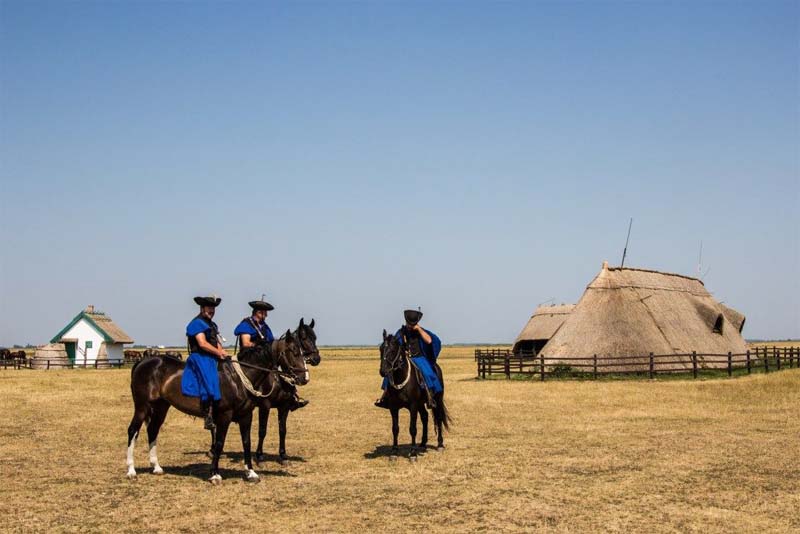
(302,322)
(384,334)
(288,334)
(311,324)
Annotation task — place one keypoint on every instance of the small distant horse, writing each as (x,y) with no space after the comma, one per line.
(156,385)
(307,338)
(405,391)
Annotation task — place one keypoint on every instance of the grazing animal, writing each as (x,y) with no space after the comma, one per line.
(285,398)
(405,390)
(156,385)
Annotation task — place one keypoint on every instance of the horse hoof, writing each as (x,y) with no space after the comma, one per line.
(393,458)
(422,450)
(252,477)
(412,458)
(131,475)
(216,480)
(260,458)
(158,470)
(440,448)
(284,462)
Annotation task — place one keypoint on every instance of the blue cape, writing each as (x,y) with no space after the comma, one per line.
(246,328)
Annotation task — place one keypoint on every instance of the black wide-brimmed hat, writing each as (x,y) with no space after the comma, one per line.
(412,316)
(261,305)
(208,301)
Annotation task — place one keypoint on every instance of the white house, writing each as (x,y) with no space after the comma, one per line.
(92,336)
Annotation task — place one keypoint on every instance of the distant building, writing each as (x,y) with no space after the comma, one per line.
(627,312)
(92,336)
(544,322)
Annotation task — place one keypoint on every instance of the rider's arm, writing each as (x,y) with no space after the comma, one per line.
(245,340)
(423,334)
(207,347)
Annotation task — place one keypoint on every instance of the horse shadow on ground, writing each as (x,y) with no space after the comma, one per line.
(385,451)
(202,471)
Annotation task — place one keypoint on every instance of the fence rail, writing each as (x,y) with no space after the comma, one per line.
(37,363)
(507,363)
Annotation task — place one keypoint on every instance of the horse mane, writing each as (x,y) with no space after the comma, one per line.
(261,351)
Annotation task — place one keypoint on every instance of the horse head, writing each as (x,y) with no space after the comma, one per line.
(308,342)
(291,359)
(391,354)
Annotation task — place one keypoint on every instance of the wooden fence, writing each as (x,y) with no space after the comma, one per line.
(58,364)
(504,362)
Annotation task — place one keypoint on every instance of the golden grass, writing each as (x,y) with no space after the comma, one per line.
(672,456)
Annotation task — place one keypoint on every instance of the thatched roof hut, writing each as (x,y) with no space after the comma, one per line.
(627,312)
(55,353)
(544,322)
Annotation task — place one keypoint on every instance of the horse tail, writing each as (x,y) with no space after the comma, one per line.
(440,412)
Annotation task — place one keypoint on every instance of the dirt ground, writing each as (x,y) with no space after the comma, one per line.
(657,456)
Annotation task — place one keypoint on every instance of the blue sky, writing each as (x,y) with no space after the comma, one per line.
(353,159)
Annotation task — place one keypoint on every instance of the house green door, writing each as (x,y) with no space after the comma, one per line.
(70,346)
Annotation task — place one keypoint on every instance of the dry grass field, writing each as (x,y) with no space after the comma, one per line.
(672,456)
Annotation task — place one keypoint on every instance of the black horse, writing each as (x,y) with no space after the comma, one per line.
(405,390)
(156,385)
(284,399)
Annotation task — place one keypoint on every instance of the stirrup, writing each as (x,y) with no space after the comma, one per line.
(208,422)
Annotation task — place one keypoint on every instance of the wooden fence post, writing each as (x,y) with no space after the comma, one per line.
(594,369)
(48,365)
(730,365)
(777,353)
(507,368)
(766,361)
(541,366)
(747,355)
(694,364)
(651,366)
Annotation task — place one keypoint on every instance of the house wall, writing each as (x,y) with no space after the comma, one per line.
(115,352)
(83,332)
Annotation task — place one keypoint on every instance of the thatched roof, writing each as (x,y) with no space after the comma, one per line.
(544,322)
(626,312)
(101,322)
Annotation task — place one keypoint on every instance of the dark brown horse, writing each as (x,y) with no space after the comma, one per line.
(405,390)
(156,385)
(307,338)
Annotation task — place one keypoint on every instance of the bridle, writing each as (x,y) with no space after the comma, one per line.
(307,354)
(396,363)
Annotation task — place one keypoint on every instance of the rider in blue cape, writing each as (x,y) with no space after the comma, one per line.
(423,347)
(254,330)
(201,375)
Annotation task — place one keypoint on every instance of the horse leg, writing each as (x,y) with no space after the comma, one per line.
(423,444)
(159,413)
(139,415)
(283,414)
(412,429)
(219,443)
(244,430)
(395,431)
(263,419)
(439,422)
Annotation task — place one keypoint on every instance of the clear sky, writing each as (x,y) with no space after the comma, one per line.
(353,159)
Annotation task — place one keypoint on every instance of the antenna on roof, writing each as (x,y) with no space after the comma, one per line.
(627,239)
(700,273)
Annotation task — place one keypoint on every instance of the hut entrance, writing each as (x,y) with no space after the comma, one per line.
(70,348)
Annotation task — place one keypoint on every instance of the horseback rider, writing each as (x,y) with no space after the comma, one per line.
(254,330)
(201,376)
(423,348)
